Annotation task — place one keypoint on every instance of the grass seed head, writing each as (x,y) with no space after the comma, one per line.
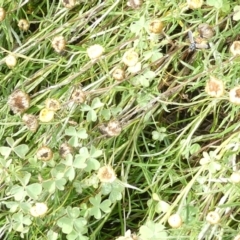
(65,149)
(52,104)
(95,51)
(156,26)
(44,153)
(11,61)
(69,3)
(78,96)
(59,44)
(38,210)
(23,24)
(31,122)
(46,115)
(106,174)
(175,220)
(130,58)
(19,101)
(234,95)
(194,4)
(213,218)
(205,30)
(214,87)
(118,74)
(2,14)
(235,48)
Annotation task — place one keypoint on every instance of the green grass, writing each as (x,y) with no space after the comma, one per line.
(169,124)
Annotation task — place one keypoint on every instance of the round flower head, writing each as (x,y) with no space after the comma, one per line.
(52,104)
(156,26)
(78,96)
(46,115)
(135,4)
(214,87)
(38,210)
(23,24)
(213,217)
(65,149)
(19,101)
(194,4)
(135,69)
(130,58)
(235,48)
(2,14)
(175,221)
(234,95)
(31,122)
(11,61)
(205,30)
(127,236)
(59,44)
(69,3)
(118,74)
(44,153)
(106,174)
(235,177)
(95,51)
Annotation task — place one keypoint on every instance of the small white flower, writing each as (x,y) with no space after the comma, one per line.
(11,61)
(175,220)
(23,24)
(106,174)
(214,87)
(235,177)
(130,58)
(136,68)
(46,115)
(38,210)
(234,95)
(59,44)
(235,48)
(95,51)
(127,236)
(213,217)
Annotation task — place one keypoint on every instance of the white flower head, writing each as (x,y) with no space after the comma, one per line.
(234,95)
(106,174)
(38,210)
(130,58)
(95,51)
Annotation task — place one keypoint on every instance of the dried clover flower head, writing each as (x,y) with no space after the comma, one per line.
(46,115)
(44,153)
(214,87)
(11,61)
(234,95)
(130,58)
(237,237)
(235,177)
(118,74)
(175,220)
(194,4)
(19,101)
(78,96)
(135,69)
(106,174)
(213,217)
(113,128)
(31,122)
(127,236)
(65,149)
(135,4)
(23,24)
(52,104)
(95,51)
(69,3)
(38,210)
(205,30)
(235,48)
(156,26)
(59,44)
(2,14)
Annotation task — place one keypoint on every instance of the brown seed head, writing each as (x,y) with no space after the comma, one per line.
(19,101)
(65,149)
(78,96)
(118,74)
(44,153)
(23,24)
(59,44)
(31,122)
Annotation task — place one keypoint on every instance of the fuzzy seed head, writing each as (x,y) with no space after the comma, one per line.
(234,95)
(2,14)
(31,122)
(78,96)
(156,26)
(95,51)
(69,3)
(19,101)
(52,104)
(59,44)
(175,220)
(135,4)
(11,61)
(106,174)
(235,48)
(205,31)
(46,115)
(118,74)
(65,149)
(194,4)
(235,177)
(113,128)
(38,210)
(44,153)
(214,87)
(23,24)
(213,217)
(130,58)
